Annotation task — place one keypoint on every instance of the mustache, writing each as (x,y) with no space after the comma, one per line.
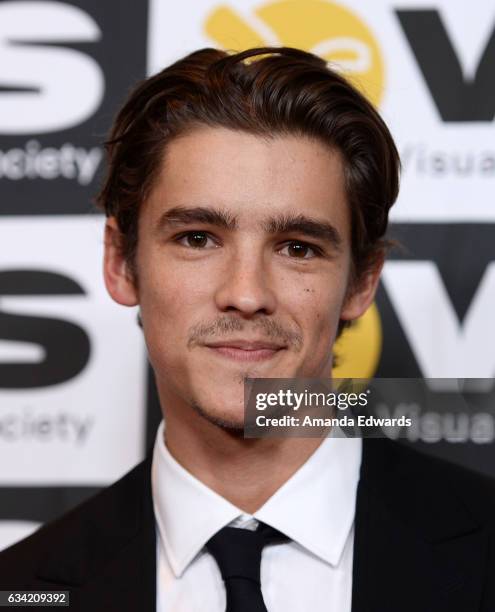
(201,332)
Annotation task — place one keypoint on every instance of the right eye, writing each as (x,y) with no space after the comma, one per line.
(195,239)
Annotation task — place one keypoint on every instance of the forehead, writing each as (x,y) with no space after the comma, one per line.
(252,176)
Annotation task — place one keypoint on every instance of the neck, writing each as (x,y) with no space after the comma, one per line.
(246,472)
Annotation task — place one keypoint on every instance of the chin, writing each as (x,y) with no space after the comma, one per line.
(231,421)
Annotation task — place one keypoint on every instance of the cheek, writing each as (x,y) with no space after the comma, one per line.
(165,288)
(172,299)
(160,304)
(319,307)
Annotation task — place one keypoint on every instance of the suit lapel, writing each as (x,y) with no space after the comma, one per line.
(109,565)
(416,548)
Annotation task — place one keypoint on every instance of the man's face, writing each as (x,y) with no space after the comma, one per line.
(243,265)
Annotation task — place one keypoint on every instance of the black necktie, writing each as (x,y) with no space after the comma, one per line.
(238,555)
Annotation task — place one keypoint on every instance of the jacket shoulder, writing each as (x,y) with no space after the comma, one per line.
(439,480)
(109,509)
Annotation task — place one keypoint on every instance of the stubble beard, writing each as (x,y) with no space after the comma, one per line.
(231,426)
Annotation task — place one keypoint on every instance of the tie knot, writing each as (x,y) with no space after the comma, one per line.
(238,551)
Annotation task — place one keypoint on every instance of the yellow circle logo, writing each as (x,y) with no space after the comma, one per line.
(325,28)
(358,348)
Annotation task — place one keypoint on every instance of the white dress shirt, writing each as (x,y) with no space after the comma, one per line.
(314,508)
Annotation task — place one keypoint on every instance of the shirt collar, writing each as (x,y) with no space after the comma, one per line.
(188,513)
(315,507)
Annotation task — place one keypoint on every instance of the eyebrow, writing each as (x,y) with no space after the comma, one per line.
(283,224)
(181,215)
(303,224)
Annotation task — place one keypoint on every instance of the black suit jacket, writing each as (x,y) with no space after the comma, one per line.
(424,541)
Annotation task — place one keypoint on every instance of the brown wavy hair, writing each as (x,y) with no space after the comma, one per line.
(265,91)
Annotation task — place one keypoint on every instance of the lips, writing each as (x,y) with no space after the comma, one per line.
(246,345)
(245,350)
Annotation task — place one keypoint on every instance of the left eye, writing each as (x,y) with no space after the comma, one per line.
(196,240)
(299,250)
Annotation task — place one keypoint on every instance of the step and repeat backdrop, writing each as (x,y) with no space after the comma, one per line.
(78,406)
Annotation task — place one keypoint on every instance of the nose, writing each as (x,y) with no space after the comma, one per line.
(246,287)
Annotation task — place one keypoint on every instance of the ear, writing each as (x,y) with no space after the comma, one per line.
(118,278)
(361,296)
